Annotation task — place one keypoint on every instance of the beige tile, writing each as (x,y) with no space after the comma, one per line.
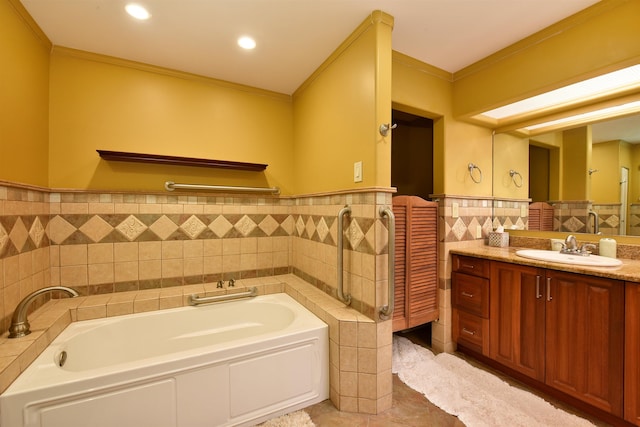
(73,255)
(119,308)
(100,273)
(348,404)
(348,384)
(172,268)
(25,265)
(125,251)
(145,304)
(172,249)
(74,275)
(367,385)
(231,246)
(348,359)
(88,313)
(99,253)
(126,271)
(12,270)
(348,333)
(367,406)
(193,248)
(149,250)
(367,360)
(150,269)
(384,357)
(249,245)
(193,266)
(212,247)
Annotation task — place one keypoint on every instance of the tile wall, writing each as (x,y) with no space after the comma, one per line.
(105,244)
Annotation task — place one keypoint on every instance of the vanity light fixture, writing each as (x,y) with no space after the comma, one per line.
(590,117)
(246,42)
(137,11)
(606,84)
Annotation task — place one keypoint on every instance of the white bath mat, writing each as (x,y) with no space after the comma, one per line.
(476,397)
(294,419)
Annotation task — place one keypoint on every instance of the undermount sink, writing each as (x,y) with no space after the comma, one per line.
(555,256)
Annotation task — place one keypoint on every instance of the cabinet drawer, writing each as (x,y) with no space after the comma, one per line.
(470,293)
(469,331)
(470,265)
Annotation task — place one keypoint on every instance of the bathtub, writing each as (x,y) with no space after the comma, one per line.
(225,364)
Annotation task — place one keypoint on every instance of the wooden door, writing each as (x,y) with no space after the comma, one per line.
(584,338)
(416,263)
(517,317)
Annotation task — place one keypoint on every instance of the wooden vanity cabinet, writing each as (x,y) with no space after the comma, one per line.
(565,330)
(470,302)
(517,325)
(585,338)
(632,353)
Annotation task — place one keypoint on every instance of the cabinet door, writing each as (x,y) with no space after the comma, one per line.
(584,338)
(632,350)
(517,316)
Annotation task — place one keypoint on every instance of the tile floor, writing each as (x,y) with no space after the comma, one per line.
(410,408)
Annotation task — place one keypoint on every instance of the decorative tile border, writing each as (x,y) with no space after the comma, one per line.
(195,239)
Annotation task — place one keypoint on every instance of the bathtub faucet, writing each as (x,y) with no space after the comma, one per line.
(19,323)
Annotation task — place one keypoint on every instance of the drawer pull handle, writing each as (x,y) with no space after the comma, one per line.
(468,332)
(471,266)
(467,294)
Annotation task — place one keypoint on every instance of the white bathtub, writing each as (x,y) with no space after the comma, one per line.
(231,363)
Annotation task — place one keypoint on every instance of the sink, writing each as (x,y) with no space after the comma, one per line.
(555,256)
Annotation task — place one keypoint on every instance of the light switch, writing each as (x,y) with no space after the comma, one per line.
(357,171)
(454,210)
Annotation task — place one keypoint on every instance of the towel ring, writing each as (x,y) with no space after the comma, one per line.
(517,181)
(473,178)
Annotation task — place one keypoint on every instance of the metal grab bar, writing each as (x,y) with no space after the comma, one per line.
(196,300)
(341,296)
(170,186)
(387,310)
(595,228)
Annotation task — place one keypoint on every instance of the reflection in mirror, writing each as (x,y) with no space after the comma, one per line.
(588,176)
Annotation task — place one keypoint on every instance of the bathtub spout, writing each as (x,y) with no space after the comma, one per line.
(19,323)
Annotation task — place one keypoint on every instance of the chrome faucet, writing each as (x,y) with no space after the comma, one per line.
(570,246)
(19,323)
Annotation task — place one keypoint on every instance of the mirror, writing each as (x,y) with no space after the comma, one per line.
(589,176)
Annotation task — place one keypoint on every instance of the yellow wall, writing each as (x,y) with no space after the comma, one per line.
(510,153)
(103,103)
(600,39)
(421,89)
(337,112)
(634,174)
(576,147)
(606,159)
(24,92)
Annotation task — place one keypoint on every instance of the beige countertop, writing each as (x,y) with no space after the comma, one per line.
(628,271)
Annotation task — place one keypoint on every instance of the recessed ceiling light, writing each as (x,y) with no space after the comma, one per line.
(605,84)
(137,11)
(246,42)
(578,119)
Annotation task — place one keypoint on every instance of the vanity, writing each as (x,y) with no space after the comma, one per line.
(570,331)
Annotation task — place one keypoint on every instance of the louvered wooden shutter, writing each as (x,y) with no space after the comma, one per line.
(540,216)
(416,263)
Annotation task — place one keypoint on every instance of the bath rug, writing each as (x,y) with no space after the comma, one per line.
(477,397)
(294,419)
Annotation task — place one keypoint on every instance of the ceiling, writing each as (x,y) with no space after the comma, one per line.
(293,36)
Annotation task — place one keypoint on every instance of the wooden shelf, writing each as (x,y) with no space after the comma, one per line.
(121,156)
